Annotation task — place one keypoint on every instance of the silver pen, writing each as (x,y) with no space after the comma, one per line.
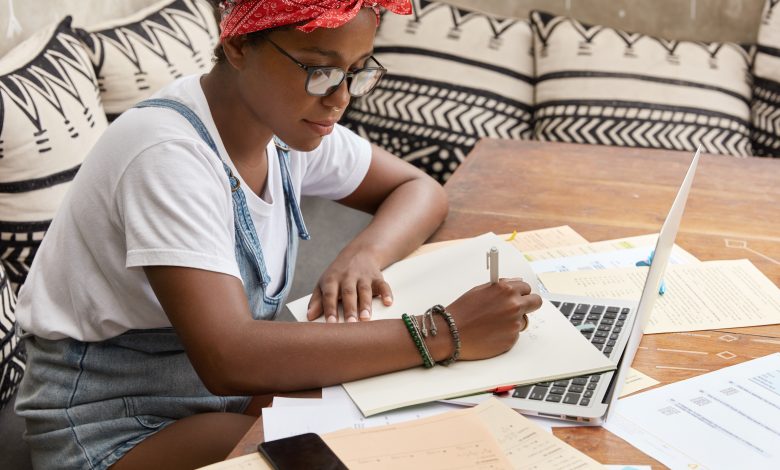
(492,264)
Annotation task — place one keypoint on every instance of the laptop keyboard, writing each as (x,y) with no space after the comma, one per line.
(601,325)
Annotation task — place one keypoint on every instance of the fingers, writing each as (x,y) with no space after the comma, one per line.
(382,289)
(330,300)
(365,294)
(314,310)
(517,283)
(349,298)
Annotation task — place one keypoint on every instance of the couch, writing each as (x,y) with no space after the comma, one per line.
(456,75)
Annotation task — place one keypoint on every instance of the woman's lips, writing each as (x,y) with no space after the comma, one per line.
(322,128)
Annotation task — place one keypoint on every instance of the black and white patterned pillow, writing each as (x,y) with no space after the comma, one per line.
(453,76)
(766,90)
(12,357)
(137,55)
(50,116)
(601,85)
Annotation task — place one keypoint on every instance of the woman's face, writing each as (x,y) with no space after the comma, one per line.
(273,86)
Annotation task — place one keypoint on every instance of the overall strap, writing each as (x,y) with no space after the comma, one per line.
(283,150)
(200,128)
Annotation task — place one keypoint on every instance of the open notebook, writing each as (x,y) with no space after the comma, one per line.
(550,349)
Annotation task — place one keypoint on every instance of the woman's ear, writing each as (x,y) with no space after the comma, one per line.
(235,51)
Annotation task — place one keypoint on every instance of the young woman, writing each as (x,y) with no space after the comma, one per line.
(147,311)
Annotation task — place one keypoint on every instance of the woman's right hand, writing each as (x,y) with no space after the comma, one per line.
(490,317)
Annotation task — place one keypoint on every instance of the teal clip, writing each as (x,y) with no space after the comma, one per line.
(662,287)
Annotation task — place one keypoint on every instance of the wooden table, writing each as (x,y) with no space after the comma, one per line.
(733,212)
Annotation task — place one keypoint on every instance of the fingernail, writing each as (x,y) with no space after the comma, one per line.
(331,319)
(388,300)
(365,314)
(351,319)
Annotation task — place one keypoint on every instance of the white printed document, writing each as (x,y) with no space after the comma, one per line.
(703,296)
(551,348)
(725,419)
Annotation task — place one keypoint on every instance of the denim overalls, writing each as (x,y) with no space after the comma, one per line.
(87,404)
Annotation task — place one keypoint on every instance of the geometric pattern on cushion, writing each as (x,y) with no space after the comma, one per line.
(766,84)
(50,116)
(137,55)
(599,85)
(453,76)
(12,355)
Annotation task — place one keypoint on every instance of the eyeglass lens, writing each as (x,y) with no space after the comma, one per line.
(323,81)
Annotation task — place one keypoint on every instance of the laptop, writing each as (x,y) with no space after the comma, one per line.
(614,327)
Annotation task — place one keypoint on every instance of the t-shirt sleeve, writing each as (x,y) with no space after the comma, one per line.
(337,167)
(175,208)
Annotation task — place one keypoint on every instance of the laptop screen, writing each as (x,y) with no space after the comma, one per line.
(663,250)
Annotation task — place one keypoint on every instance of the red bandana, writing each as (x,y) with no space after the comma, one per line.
(248,16)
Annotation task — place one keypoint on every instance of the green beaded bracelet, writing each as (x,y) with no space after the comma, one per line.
(428,361)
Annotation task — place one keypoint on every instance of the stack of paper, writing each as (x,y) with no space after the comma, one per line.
(488,436)
(705,296)
(725,419)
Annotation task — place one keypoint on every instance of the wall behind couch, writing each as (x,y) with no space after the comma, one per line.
(701,20)
(696,20)
(31,15)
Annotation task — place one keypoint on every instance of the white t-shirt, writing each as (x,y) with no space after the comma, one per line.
(151,192)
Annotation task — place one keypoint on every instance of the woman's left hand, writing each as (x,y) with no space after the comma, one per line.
(354,280)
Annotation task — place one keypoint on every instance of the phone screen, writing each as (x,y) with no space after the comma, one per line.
(300,452)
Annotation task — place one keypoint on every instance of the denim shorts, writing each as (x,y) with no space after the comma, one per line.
(87,404)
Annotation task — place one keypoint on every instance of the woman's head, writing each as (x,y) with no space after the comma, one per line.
(286,56)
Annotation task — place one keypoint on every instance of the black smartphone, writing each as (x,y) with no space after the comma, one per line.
(304,451)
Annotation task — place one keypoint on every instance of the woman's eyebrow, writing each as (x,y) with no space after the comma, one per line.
(334,54)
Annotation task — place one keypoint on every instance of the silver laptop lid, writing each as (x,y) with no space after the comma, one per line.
(663,249)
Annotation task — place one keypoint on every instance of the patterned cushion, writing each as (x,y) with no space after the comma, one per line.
(766,91)
(453,76)
(50,116)
(12,355)
(600,85)
(137,55)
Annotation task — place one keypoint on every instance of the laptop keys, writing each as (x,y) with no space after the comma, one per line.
(538,393)
(582,309)
(571,398)
(522,392)
(566,308)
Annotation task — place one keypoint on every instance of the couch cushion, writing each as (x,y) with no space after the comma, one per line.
(50,116)
(600,85)
(766,91)
(453,76)
(137,55)
(11,351)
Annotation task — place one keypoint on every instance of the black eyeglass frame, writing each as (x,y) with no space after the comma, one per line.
(312,69)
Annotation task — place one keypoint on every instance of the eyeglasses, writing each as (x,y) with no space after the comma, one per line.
(324,80)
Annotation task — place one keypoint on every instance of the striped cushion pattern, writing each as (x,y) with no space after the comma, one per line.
(50,116)
(137,55)
(601,85)
(453,76)
(12,356)
(766,85)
